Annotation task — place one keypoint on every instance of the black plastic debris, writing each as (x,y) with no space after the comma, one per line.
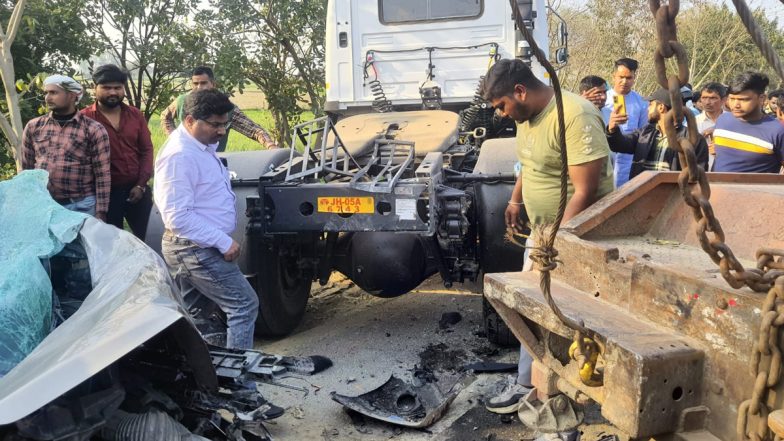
(481,367)
(449,319)
(417,404)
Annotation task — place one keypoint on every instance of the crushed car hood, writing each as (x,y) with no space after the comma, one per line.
(132,300)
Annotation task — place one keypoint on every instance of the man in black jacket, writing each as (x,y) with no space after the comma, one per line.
(649,145)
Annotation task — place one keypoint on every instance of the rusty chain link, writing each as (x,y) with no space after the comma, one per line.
(693,183)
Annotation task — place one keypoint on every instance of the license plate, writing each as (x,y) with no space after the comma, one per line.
(346,205)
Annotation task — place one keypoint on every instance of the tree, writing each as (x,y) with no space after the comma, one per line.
(12,124)
(716,42)
(721,47)
(42,43)
(280,46)
(152,40)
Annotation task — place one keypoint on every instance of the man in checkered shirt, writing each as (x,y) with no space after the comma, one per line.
(73,148)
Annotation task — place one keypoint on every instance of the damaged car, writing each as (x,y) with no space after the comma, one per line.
(128,363)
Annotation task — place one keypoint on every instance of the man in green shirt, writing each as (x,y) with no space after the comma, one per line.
(516,93)
(202,78)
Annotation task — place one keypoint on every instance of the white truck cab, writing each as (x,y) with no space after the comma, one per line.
(397,52)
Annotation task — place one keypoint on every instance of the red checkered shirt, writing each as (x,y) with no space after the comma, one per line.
(76,155)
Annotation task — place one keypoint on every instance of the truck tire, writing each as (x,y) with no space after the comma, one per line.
(283,286)
(496,254)
(495,328)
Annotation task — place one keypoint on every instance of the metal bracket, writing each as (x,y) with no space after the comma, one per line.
(390,159)
(318,158)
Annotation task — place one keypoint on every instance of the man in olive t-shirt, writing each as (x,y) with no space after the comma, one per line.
(516,93)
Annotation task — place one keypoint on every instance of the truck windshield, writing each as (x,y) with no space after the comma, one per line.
(403,11)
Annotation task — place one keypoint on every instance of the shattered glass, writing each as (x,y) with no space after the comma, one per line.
(32,227)
(132,299)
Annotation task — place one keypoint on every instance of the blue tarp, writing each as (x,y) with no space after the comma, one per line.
(32,227)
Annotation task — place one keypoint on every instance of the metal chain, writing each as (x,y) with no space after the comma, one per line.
(693,183)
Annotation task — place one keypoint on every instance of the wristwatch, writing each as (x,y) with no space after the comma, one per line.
(143,189)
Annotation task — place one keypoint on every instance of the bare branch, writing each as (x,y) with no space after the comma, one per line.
(13,22)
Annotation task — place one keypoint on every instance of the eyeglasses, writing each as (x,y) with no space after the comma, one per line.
(217,125)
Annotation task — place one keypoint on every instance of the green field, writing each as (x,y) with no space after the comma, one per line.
(237,142)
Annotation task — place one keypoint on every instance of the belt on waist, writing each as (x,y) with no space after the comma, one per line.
(64,201)
(171,237)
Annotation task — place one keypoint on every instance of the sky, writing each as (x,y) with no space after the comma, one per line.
(774,8)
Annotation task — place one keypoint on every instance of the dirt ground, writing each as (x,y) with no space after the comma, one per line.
(250,99)
(369,339)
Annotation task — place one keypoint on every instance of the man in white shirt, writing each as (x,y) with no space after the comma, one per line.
(623,79)
(713,96)
(194,196)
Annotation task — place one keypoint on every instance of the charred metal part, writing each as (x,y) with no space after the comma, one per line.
(456,233)
(556,414)
(417,404)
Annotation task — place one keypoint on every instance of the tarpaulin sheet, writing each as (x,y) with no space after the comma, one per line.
(32,227)
(133,299)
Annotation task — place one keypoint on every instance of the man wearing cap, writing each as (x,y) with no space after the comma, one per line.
(649,145)
(131,150)
(74,150)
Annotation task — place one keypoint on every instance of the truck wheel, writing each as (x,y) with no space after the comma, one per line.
(495,328)
(496,254)
(283,286)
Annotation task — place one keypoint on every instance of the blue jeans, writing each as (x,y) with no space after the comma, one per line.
(524,364)
(207,271)
(70,269)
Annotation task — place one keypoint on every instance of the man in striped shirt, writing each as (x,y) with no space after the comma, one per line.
(748,140)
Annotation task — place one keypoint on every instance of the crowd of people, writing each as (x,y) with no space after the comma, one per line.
(100,162)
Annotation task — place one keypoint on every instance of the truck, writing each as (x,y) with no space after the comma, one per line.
(409,172)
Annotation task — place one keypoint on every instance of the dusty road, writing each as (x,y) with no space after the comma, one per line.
(370,339)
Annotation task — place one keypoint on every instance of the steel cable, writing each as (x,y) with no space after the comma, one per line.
(759,38)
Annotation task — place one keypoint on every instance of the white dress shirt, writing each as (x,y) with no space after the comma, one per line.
(193,192)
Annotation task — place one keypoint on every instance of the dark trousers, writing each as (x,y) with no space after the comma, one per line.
(137,214)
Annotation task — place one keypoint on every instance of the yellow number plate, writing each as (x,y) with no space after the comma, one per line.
(353,205)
